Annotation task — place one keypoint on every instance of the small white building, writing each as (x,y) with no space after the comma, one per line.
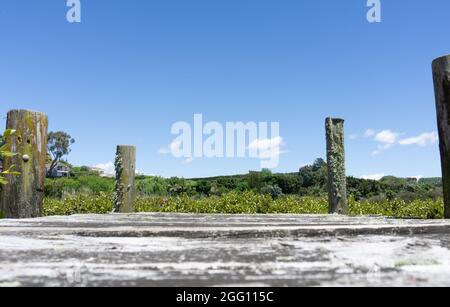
(61,170)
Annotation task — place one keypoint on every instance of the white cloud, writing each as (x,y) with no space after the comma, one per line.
(171,148)
(108,168)
(387,140)
(271,153)
(264,149)
(381,148)
(425,139)
(268,148)
(263,144)
(369,133)
(373,176)
(386,137)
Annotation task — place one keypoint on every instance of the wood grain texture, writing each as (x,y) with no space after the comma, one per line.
(337,181)
(23,196)
(125,179)
(441,77)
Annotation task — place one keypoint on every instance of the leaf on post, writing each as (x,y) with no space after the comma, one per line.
(10,171)
(8,133)
(7,154)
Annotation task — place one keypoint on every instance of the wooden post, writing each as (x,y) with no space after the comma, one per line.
(23,196)
(125,175)
(337,181)
(441,76)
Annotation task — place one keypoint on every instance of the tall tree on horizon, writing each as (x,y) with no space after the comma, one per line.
(58,146)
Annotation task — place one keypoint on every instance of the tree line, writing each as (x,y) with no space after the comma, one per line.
(310,180)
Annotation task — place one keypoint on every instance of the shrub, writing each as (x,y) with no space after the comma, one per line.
(151,186)
(80,204)
(59,188)
(66,187)
(246,203)
(95,184)
(272,190)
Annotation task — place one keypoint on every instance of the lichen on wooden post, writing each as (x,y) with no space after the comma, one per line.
(23,195)
(441,77)
(125,176)
(337,182)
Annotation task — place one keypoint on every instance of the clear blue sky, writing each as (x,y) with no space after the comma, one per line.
(132,68)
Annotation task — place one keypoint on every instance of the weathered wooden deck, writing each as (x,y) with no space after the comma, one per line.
(223,250)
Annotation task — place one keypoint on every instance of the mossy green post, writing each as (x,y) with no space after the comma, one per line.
(125,177)
(441,77)
(337,182)
(22,196)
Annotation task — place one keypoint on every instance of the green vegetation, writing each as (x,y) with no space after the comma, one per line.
(66,187)
(245,203)
(309,181)
(5,153)
(263,192)
(256,192)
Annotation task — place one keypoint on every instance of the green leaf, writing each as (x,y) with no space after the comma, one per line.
(8,133)
(3,180)
(9,171)
(7,154)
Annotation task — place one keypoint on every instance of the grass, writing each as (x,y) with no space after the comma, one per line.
(245,203)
